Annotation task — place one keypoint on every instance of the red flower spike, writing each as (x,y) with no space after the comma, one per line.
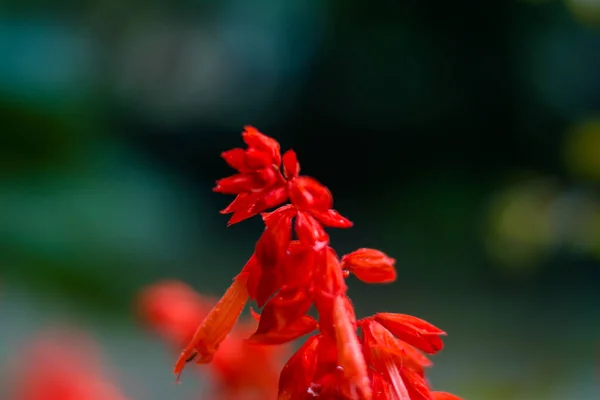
(291,166)
(370,266)
(297,374)
(350,355)
(310,231)
(415,331)
(254,139)
(215,327)
(288,277)
(444,396)
(308,194)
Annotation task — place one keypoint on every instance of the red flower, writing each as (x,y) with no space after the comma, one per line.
(167,308)
(62,365)
(370,266)
(288,275)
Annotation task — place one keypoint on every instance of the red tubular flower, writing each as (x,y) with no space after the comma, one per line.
(350,356)
(370,266)
(168,308)
(289,275)
(215,327)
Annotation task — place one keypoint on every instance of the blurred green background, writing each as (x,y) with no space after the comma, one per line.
(461,137)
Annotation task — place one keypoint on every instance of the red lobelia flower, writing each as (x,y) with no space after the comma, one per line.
(174,310)
(294,269)
(62,365)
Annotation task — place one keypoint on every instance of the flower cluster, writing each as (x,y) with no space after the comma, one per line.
(294,269)
(174,310)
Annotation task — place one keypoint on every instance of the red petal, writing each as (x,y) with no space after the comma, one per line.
(254,139)
(444,396)
(257,159)
(270,198)
(309,230)
(216,326)
(236,159)
(381,388)
(298,266)
(308,194)
(332,219)
(415,384)
(252,274)
(296,329)
(370,266)
(381,346)
(350,356)
(413,330)
(329,274)
(283,310)
(298,372)
(272,246)
(239,183)
(291,166)
(268,284)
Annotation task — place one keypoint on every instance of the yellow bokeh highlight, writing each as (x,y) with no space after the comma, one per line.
(521,229)
(585,11)
(582,149)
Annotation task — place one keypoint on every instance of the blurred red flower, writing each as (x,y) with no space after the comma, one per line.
(61,365)
(239,369)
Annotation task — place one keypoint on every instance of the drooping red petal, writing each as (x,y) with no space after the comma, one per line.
(350,356)
(291,166)
(415,384)
(216,326)
(297,374)
(413,330)
(370,265)
(257,140)
(309,230)
(381,347)
(308,194)
(247,205)
(332,219)
(239,183)
(236,159)
(444,396)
